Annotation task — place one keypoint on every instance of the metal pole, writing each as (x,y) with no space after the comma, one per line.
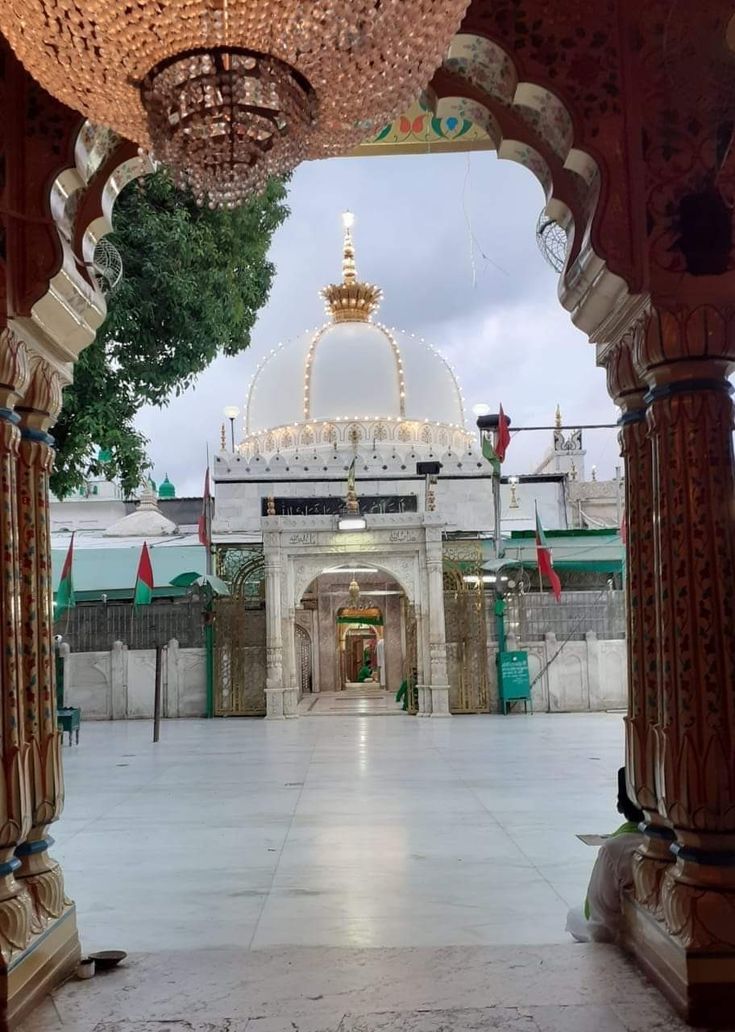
(499,549)
(232,433)
(157,694)
(209,654)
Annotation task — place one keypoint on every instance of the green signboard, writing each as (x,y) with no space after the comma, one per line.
(514,683)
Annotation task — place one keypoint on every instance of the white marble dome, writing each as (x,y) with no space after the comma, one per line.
(351,381)
(353,371)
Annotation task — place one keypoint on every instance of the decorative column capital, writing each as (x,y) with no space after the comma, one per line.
(15,370)
(684,343)
(41,403)
(624,383)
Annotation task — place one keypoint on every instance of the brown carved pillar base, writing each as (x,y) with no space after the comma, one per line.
(39,875)
(641,744)
(681,925)
(39,872)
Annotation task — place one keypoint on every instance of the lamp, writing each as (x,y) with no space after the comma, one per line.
(513,481)
(231,92)
(231,412)
(351,521)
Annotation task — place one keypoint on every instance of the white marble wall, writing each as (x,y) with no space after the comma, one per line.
(585,676)
(581,676)
(465,503)
(119,684)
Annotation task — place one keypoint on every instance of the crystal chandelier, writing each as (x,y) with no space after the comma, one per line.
(230,92)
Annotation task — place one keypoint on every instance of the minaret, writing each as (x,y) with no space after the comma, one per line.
(566,454)
(350,300)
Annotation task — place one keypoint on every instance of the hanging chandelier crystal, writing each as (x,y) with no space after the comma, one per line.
(230,92)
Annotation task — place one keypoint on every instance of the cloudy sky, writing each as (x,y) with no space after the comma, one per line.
(451,240)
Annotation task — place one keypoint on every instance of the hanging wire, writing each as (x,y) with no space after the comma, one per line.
(473,242)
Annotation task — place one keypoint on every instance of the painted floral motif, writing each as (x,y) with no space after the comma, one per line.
(421,127)
(483,63)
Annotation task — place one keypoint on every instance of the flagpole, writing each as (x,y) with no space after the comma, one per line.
(499,549)
(208,522)
(540,578)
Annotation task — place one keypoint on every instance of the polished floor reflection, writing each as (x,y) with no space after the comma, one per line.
(350,874)
(366,701)
(348,831)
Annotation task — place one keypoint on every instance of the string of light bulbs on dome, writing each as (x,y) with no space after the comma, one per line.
(231,92)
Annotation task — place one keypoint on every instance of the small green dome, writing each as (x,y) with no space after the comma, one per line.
(104,455)
(167,489)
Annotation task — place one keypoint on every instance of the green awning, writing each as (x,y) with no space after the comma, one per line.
(591,551)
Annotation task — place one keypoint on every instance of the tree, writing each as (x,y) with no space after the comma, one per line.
(193,283)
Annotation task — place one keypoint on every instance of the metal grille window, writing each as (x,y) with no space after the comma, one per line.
(93,627)
(533,615)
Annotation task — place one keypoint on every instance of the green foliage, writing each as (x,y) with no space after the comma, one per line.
(193,283)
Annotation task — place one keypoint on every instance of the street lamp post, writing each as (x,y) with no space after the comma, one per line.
(231,412)
(487,423)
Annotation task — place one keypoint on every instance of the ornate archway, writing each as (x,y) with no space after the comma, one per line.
(630,130)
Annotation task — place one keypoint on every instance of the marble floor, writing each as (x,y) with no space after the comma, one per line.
(370,701)
(393,850)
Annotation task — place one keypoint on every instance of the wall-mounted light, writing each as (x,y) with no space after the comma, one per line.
(513,481)
(351,521)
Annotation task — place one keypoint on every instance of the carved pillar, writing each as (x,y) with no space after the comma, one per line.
(291,681)
(16,912)
(423,691)
(642,722)
(273,639)
(685,355)
(438,676)
(39,410)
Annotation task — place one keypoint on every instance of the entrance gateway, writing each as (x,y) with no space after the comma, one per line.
(405,546)
(361,415)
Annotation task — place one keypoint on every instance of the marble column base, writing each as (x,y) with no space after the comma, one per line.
(440,700)
(424,700)
(50,959)
(290,703)
(274,704)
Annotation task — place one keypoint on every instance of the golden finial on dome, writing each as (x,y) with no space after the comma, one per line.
(350,300)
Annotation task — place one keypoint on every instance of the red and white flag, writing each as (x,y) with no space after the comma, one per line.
(204,519)
(544,559)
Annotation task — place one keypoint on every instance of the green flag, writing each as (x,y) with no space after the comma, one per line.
(144,579)
(490,454)
(65,591)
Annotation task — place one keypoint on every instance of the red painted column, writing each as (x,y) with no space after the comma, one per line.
(644,698)
(38,411)
(685,354)
(16,912)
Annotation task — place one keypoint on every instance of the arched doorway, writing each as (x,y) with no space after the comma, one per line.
(679,321)
(358,635)
(304,660)
(238,637)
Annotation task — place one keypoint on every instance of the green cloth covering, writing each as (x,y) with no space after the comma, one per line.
(365,673)
(626,828)
(373,621)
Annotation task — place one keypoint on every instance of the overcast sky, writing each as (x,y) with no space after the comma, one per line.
(489,305)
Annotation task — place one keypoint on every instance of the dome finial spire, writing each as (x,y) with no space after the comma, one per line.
(350,300)
(349,268)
